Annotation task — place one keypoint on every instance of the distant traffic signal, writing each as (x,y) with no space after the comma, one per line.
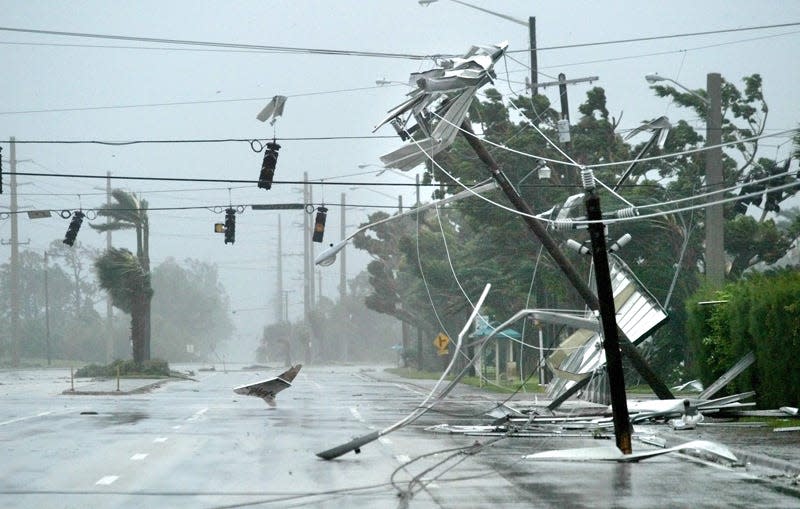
(230,225)
(268,165)
(319,224)
(74,226)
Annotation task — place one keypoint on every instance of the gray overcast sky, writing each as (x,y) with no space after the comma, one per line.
(43,72)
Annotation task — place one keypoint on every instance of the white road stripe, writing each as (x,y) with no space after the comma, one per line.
(354,411)
(402,458)
(385,441)
(410,389)
(160,440)
(139,456)
(109,479)
(19,419)
(198,414)
(177,427)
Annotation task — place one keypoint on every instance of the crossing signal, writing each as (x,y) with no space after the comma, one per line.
(230,225)
(74,226)
(268,165)
(319,224)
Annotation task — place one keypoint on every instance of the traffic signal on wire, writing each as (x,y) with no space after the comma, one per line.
(268,165)
(230,225)
(319,224)
(74,226)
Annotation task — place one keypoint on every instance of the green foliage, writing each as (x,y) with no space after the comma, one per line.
(126,368)
(761,314)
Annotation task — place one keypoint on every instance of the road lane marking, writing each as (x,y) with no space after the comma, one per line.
(160,440)
(410,389)
(19,419)
(385,441)
(177,427)
(402,458)
(109,479)
(354,411)
(198,414)
(139,456)
(316,385)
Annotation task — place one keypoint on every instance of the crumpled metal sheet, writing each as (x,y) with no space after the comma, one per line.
(273,109)
(462,76)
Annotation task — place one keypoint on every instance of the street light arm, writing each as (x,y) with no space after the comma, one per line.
(487,11)
(653,78)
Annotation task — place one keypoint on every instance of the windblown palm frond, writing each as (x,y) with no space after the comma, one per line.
(122,276)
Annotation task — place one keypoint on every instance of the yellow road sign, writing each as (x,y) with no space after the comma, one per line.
(440,342)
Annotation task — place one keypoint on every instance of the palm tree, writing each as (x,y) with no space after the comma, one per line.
(128,212)
(123,277)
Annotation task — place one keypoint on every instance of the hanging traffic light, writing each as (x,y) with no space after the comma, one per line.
(230,225)
(74,226)
(319,224)
(268,165)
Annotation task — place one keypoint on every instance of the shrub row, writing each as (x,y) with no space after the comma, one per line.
(760,313)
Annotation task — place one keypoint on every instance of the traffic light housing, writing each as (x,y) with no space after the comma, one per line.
(319,224)
(230,225)
(268,165)
(74,226)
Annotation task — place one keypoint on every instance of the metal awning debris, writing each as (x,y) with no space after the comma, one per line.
(268,389)
(273,109)
(438,105)
(614,454)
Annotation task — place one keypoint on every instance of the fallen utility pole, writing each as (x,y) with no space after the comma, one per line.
(538,229)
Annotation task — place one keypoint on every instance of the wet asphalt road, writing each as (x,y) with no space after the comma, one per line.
(197,444)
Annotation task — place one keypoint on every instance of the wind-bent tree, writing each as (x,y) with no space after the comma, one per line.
(121,274)
(129,212)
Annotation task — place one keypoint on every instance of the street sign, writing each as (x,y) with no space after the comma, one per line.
(279,206)
(440,342)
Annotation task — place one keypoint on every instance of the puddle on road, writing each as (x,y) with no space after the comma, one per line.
(117,418)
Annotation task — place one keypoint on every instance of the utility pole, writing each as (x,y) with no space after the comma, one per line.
(109,307)
(534,59)
(608,319)
(279,282)
(14,256)
(715,226)
(47,307)
(306,254)
(343,270)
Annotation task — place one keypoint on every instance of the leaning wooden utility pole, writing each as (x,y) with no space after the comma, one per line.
(608,318)
(558,256)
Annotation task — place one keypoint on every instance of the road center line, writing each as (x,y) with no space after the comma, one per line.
(109,479)
(356,414)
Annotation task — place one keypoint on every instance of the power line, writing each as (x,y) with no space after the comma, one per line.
(658,37)
(272,49)
(199,140)
(182,103)
(231,181)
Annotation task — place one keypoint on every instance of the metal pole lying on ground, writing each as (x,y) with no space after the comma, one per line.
(356,443)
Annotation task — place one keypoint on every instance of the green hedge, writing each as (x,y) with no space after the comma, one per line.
(762,314)
(153,367)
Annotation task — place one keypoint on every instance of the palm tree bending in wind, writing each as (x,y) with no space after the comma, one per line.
(128,212)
